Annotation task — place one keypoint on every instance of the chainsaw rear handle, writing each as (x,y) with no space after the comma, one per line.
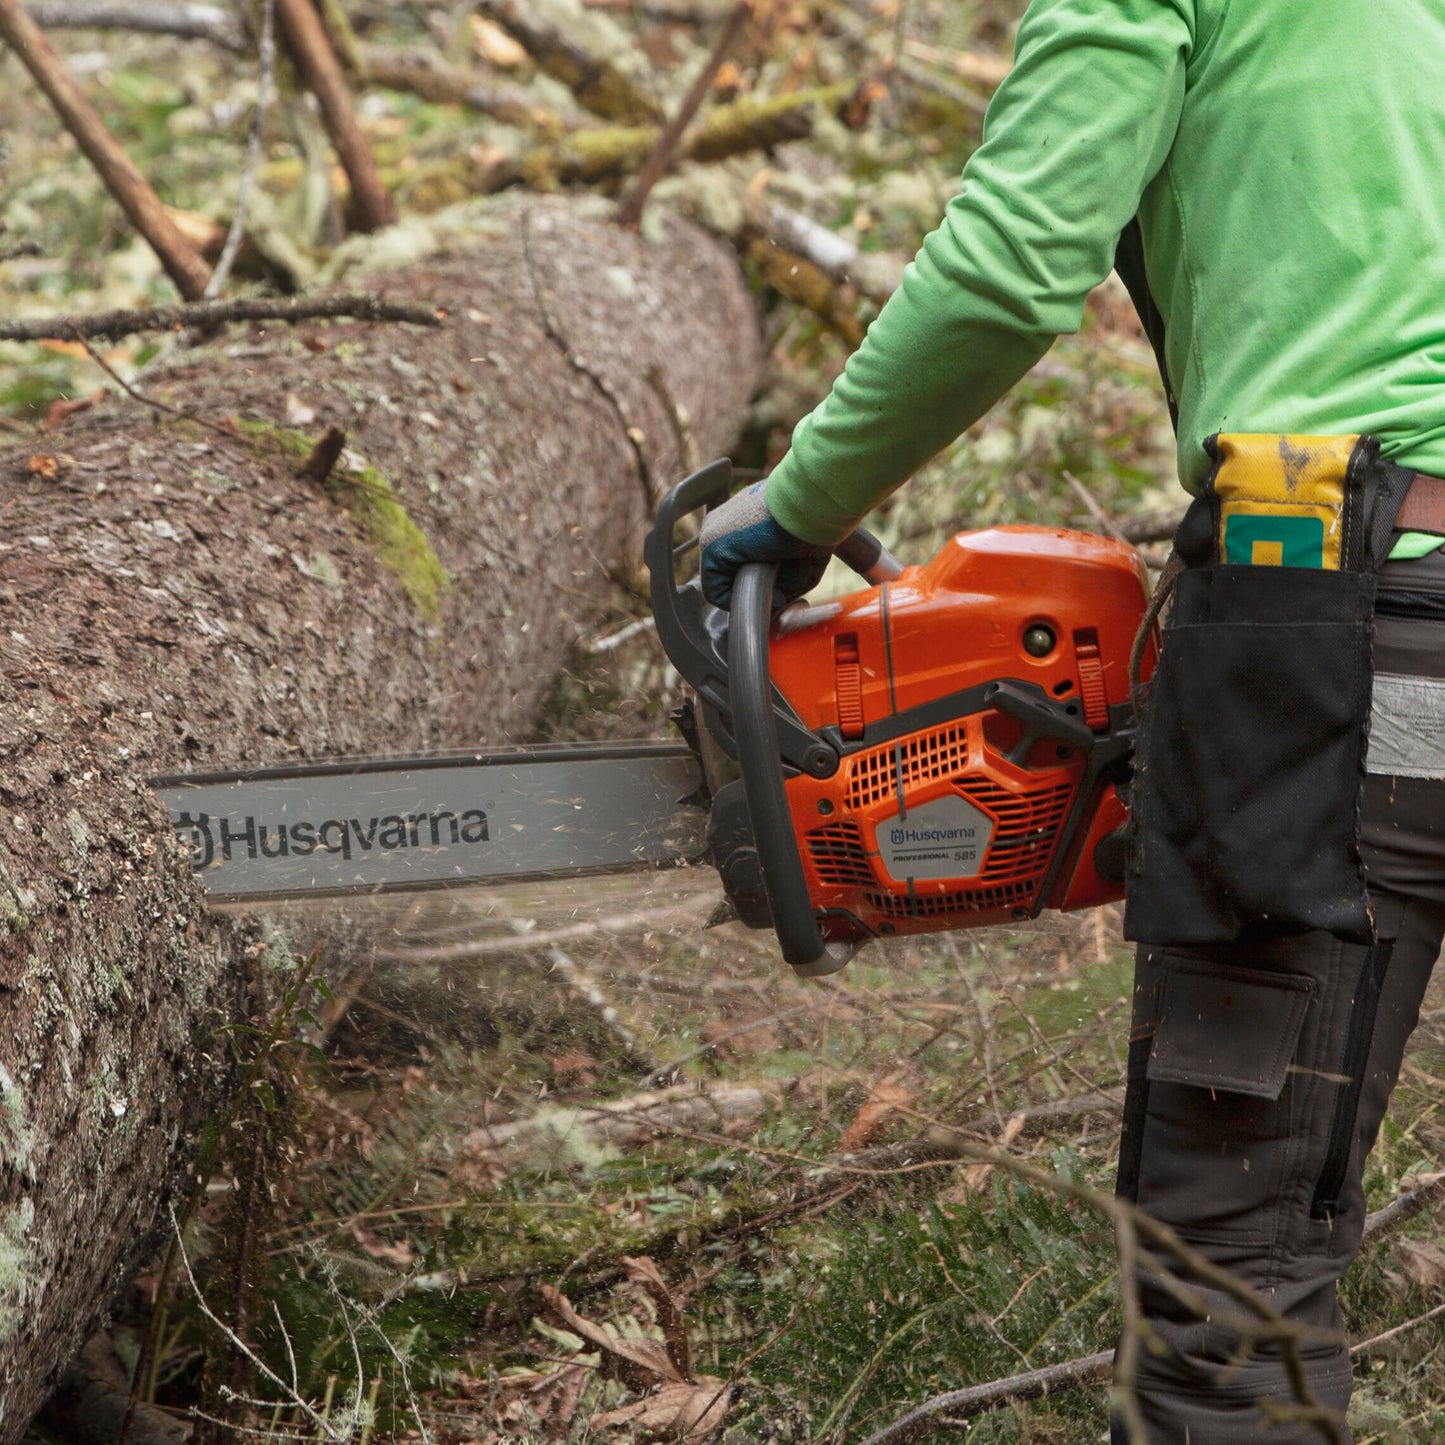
(755,732)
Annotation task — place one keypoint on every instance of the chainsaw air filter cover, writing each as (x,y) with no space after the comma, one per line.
(979,707)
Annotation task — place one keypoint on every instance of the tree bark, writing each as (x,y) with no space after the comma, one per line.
(174,596)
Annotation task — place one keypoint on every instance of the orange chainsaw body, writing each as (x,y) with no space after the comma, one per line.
(944,811)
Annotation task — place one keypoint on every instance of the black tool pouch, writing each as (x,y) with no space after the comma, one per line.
(1244,816)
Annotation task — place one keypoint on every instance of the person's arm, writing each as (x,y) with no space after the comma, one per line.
(1075,133)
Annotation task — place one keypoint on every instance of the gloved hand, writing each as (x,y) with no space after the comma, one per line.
(742,530)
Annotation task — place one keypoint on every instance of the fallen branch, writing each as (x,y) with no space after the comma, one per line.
(210,23)
(1151,526)
(423,73)
(1405,1208)
(616,925)
(976,1399)
(114,324)
(985,71)
(1376,1340)
(802,282)
(1102,519)
(617,1124)
(655,167)
(131,189)
(876,276)
(599,85)
(307,41)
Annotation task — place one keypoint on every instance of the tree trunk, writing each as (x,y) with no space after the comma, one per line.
(175,596)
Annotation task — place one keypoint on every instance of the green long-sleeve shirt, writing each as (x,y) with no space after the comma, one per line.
(1286,160)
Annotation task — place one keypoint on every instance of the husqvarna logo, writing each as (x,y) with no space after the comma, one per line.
(912,837)
(212,841)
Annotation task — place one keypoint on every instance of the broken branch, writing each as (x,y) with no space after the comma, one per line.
(113,324)
(598,84)
(420,72)
(210,23)
(655,167)
(307,41)
(1030,1385)
(121,178)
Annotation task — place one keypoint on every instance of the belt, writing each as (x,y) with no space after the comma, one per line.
(1423,509)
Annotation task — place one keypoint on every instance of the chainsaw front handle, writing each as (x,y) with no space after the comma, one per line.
(755,732)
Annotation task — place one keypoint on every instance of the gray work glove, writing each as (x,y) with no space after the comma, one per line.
(742,530)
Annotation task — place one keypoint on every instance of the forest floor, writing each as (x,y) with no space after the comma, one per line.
(548,1145)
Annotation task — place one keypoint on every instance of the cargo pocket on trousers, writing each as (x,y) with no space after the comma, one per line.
(1218,1120)
(1250,773)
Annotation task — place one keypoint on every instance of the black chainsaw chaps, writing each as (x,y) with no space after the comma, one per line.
(1250,770)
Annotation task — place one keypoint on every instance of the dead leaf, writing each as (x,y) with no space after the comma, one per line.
(680,1411)
(886,1098)
(59,409)
(494,45)
(638,1363)
(535,1402)
(312,342)
(401,1255)
(644,1271)
(1422,1261)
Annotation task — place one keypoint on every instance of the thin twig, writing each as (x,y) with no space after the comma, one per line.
(643,921)
(110,325)
(1091,505)
(629,213)
(1030,1385)
(1375,1340)
(237,1343)
(266,58)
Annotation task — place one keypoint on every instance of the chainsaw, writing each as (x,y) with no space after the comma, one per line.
(947,747)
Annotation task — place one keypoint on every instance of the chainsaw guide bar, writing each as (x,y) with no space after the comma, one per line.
(444,820)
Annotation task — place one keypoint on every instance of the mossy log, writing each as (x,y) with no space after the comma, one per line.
(749,124)
(177,596)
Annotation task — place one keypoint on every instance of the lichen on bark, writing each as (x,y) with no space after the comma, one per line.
(400,545)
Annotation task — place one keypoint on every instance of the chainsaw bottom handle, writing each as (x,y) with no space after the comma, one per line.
(755,731)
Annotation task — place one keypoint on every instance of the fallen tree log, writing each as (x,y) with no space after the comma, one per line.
(175,596)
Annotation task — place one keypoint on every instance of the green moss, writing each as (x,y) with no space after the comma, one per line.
(754,122)
(589,155)
(400,545)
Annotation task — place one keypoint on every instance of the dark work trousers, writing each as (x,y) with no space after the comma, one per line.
(1269,1187)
